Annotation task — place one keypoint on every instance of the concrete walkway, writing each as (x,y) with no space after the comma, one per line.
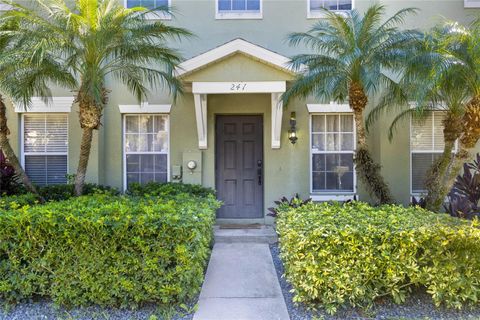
(241,284)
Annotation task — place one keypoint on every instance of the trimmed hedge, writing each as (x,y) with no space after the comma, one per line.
(168,189)
(351,254)
(107,250)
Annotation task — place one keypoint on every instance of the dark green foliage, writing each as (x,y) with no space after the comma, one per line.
(284,203)
(107,250)
(353,254)
(59,192)
(463,199)
(8,177)
(369,173)
(168,189)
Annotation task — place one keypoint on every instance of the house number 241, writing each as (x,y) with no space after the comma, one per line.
(238,87)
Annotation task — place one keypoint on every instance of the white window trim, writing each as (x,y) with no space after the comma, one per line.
(420,194)
(245,15)
(334,195)
(333,107)
(124,151)
(145,107)
(319,15)
(471,4)
(158,15)
(23,154)
(56,104)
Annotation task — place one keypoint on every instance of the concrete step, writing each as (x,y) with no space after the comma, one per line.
(265,234)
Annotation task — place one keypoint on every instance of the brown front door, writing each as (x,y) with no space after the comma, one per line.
(239,166)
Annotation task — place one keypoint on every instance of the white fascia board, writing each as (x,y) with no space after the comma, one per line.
(329,108)
(55,104)
(234,46)
(145,108)
(239,87)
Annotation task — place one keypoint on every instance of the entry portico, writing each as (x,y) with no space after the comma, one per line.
(235,85)
(233,81)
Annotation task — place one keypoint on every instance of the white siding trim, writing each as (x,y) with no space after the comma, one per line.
(329,108)
(333,197)
(56,104)
(230,48)
(472,3)
(145,107)
(124,151)
(242,15)
(158,15)
(239,87)
(320,15)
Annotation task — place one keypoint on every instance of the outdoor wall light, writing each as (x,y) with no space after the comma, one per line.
(292,133)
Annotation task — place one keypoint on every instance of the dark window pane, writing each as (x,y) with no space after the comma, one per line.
(133,163)
(133,178)
(316,4)
(146,163)
(161,177)
(253,5)
(318,162)
(224,5)
(160,163)
(238,5)
(318,180)
(45,170)
(421,163)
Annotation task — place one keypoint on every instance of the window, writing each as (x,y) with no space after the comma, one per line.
(150,4)
(315,6)
(146,148)
(426,146)
(332,149)
(239,9)
(472,3)
(45,147)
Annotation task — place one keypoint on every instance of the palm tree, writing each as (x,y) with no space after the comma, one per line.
(431,81)
(463,42)
(21,77)
(351,58)
(93,40)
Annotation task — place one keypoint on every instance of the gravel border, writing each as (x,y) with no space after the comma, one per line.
(45,309)
(418,306)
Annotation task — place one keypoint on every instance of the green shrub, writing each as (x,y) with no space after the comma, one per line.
(352,254)
(59,192)
(107,250)
(17,201)
(168,189)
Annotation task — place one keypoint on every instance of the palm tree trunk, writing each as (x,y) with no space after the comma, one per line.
(90,115)
(436,190)
(367,169)
(468,141)
(85,147)
(9,153)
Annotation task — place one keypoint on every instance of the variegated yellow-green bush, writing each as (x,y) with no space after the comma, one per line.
(351,254)
(106,249)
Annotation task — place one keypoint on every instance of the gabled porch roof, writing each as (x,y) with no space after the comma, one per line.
(231,48)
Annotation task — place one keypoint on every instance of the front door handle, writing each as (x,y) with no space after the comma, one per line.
(259,172)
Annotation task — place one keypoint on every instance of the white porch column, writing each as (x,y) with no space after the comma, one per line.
(277,114)
(200,91)
(201,116)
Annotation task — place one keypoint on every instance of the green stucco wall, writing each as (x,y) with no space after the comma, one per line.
(287,168)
